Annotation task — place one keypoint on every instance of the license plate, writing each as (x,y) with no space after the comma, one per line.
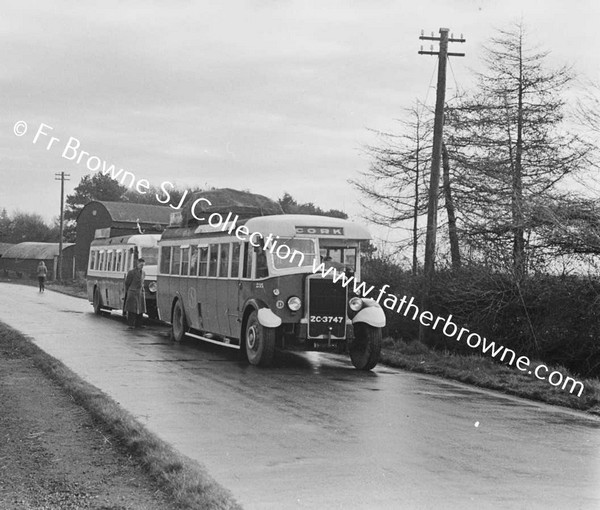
(326,319)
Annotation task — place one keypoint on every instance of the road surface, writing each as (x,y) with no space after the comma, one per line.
(312,432)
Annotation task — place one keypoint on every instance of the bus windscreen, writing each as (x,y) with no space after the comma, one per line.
(299,253)
(150,256)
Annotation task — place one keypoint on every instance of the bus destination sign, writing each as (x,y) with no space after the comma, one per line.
(324,231)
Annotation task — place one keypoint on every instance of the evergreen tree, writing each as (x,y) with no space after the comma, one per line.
(291,206)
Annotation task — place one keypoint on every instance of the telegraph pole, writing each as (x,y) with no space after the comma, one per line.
(62,177)
(434,180)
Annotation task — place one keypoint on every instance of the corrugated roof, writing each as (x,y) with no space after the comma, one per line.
(39,251)
(127,212)
(226,200)
(4,247)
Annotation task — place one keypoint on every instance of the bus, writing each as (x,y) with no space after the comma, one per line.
(109,261)
(236,291)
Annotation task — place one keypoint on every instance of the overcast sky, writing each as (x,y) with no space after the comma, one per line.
(272,96)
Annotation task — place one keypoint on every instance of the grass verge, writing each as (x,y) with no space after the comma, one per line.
(487,373)
(189,484)
(75,288)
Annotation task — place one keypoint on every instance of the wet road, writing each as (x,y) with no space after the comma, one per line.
(314,433)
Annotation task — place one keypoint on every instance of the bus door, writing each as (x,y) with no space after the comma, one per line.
(227,287)
(233,290)
(243,286)
(253,267)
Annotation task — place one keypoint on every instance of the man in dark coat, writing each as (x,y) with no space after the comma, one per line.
(135,299)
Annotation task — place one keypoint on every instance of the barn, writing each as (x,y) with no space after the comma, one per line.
(22,259)
(4,247)
(123,218)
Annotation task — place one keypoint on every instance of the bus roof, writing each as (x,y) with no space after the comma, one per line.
(142,240)
(305,225)
(282,225)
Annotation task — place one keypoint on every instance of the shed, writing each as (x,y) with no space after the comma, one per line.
(23,258)
(123,218)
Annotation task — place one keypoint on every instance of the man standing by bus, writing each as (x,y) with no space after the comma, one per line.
(135,299)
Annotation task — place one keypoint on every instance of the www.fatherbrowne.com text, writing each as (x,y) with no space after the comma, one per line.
(449,329)
(402,305)
(72,151)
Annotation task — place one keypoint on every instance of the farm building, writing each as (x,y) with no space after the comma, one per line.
(22,259)
(4,247)
(123,218)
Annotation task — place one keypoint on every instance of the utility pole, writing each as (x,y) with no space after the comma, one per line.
(62,177)
(434,180)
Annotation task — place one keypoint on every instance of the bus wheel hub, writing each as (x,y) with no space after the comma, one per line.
(251,339)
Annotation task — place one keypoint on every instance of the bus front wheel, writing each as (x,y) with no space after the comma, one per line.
(259,342)
(365,349)
(178,323)
(97,302)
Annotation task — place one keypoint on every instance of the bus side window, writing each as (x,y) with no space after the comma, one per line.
(165,259)
(193,260)
(213,252)
(261,264)
(92,259)
(185,260)
(203,261)
(247,266)
(235,260)
(176,260)
(224,261)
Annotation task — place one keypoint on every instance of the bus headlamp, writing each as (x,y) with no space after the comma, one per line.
(355,304)
(152,286)
(294,303)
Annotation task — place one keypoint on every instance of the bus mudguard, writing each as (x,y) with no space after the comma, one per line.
(268,319)
(265,317)
(371,313)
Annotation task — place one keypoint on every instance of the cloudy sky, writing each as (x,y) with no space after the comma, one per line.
(268,95)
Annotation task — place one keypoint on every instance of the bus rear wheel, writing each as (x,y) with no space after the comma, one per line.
(365,349)
(97,301)
(179,325)
(259,342)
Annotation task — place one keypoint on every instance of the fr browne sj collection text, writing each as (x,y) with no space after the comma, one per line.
(72,151)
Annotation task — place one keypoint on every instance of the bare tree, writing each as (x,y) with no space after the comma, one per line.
(508,145)
(588,109)
(394,186)
(450,209)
